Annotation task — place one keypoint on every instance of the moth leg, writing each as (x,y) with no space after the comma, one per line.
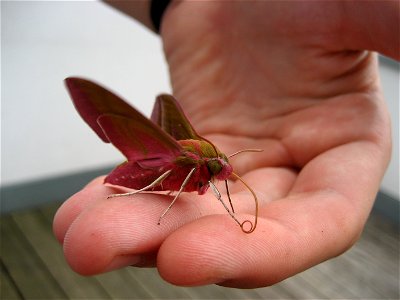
(177,195)
(162,188)
(229,195)
(151,185)
(217,194)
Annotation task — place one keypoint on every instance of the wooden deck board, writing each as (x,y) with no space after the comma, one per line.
(38,232)
(120,285)
(7,286)
(33,267)
(30,275)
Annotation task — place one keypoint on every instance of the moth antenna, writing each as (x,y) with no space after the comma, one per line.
(217,195)
(229,195)
(177,195)
(245,150)
(253,226)
(156,182)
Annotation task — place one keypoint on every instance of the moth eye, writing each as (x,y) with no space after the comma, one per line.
(214,166)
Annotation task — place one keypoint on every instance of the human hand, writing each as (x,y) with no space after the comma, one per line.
(283,77)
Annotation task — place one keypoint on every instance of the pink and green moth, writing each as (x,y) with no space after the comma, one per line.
(163,154)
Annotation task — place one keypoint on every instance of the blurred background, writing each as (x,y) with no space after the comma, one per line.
(44,42)
(48,153)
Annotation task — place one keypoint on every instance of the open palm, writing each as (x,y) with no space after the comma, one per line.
(287,78)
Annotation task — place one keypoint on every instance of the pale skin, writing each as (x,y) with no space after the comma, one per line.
(294,79)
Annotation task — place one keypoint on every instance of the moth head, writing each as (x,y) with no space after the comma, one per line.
(219,167)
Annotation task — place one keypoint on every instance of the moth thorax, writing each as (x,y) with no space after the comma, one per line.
(219,168)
